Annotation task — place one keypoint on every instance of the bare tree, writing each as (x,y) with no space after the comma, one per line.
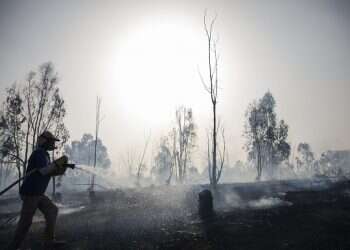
(97,128)
(211,85)
(128,162)
(222,153)
(141,163)
(134,162)
(184,136)
(162,166)
(44,108)
(173,136)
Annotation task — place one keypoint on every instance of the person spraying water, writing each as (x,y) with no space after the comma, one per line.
(32,191)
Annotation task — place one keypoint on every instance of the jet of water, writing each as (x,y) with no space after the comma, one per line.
(91,170)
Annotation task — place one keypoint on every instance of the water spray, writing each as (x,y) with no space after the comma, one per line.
(89,170)
(85,169)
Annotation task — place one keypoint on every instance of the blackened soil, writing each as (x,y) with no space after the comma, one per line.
(166,218)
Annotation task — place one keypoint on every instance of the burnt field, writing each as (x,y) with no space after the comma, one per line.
(300,214)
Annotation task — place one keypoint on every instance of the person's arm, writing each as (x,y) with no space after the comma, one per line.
(55,168)
(51,169)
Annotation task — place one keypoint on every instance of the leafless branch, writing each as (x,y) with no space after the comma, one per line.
(206,87)
(141,164)
(223,153)
(16,157)
(209,158)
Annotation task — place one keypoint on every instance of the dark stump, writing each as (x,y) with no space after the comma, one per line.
(205,206)
(92,196)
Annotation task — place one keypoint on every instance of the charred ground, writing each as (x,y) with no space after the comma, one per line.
(265,215)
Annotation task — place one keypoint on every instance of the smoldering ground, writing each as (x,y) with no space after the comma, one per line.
(293,214)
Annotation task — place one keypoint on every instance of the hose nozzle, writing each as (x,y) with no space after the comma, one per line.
(70,165)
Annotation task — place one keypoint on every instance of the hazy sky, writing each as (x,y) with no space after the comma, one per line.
(142,58)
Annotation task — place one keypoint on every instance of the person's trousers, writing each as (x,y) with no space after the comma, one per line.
(29,206)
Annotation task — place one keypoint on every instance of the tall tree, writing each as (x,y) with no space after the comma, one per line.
(141,166)
(11,126)
(128,162)
(266,138)
(45,110)
(254,133)
(82,152)
(211,85)
(97,129)
(38,106)
(305,158)
(44,107)
(184,135)
(163,162)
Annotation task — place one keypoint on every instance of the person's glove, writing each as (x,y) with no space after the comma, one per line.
(60,165)
(56,168)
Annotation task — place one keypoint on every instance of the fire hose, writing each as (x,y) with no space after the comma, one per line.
(67,165)
(18,180)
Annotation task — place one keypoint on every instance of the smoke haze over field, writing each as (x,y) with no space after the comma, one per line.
(141,57)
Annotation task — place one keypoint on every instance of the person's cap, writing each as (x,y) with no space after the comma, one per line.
(49,136)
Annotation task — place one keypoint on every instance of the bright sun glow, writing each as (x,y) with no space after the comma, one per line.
(156,71)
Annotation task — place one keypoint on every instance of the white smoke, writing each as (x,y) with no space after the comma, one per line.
(268,202)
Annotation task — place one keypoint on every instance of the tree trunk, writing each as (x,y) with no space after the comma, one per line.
(19,176)
(95,155)
(26,148)
(259,166)
(214,177)
(1,172)
(53,179)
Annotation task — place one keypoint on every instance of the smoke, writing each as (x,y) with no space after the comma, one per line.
(66,209)
(261,195)
(268,202)
(228,201)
